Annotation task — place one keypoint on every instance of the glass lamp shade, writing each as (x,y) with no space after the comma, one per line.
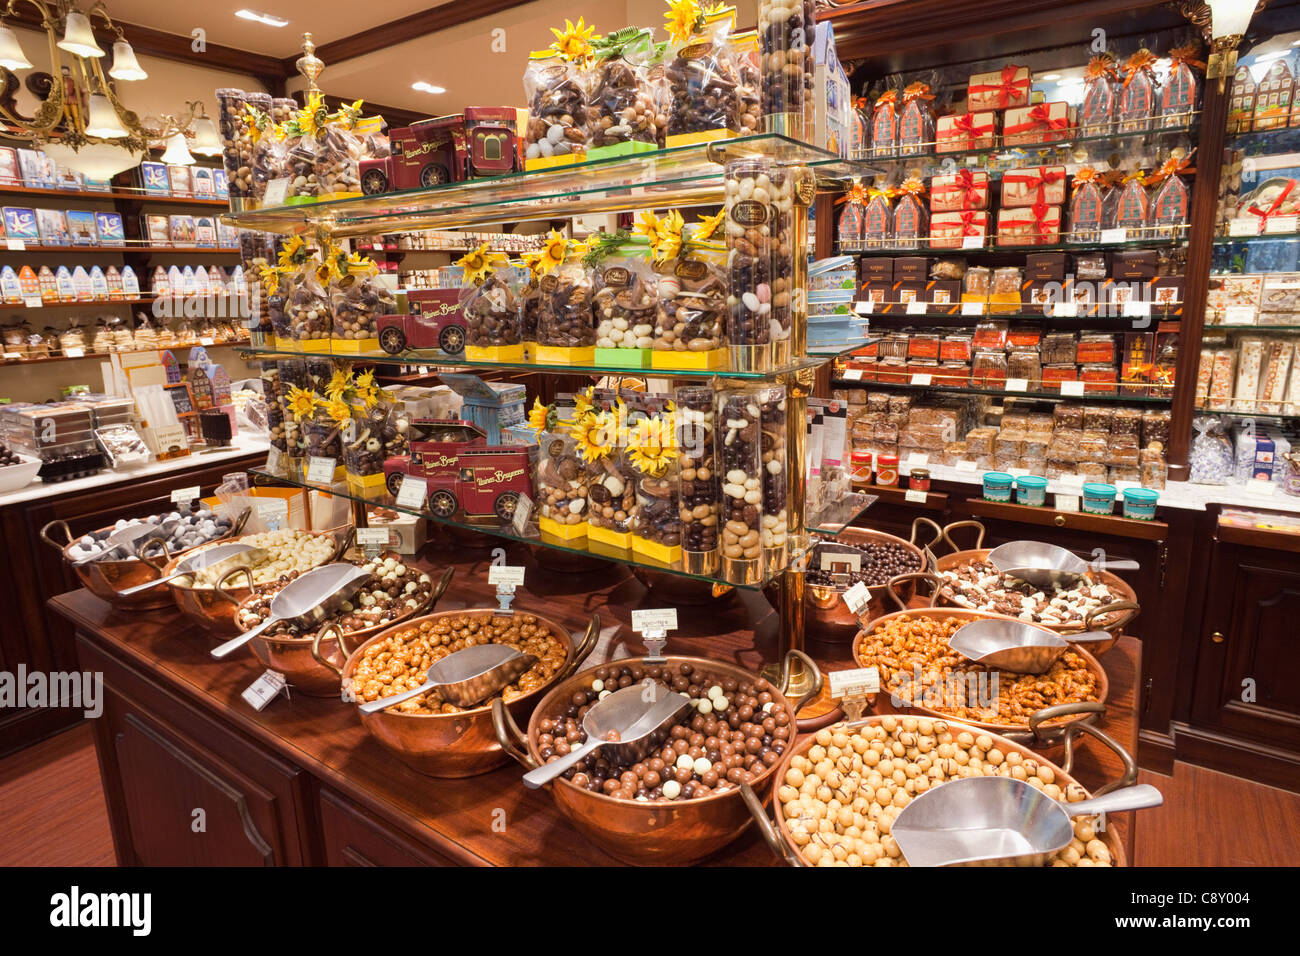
(102,121)
(78,37)
(206,141)
(99,161)
(177,153)
(1230,17)
(11,52)
(125,66)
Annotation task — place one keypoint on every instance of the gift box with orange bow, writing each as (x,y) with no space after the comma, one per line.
(967,132)
(1041,123)
(1033,184)
(1000,90)
(964,189)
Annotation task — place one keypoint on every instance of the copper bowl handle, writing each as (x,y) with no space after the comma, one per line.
(238,526)
(57,523)
(144,547)
(1111,609)
(787,672)
(584,648)
(440,588)
(509,736)
(892,591)
(220,586)
(947,536)
(315,647)
(916,525)
(766,830)
(1037,734)
(1130,775)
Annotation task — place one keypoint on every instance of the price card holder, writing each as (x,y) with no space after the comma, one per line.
(966,465)
(1278,224)
(1114,235)
(1238,315)
(915,461)
(853,688)
(33,301)
(853,375)
(1072,389)
(320,471)
(916,308)
(972,242)
(273,463)
(1258,486)
(373,540)
(653,624)
(506,578)
(1065,310)
(74,352)
(266,689)
(181,497)
(1243,226)
(972,308)
(1137,309)
(276,191)
(207,341)
(1067,502)
(856,599)
(915,496)
(866,307)
(523,511)
(921,378)
(16,245)
(1017,385)
(841,566)
(412,493)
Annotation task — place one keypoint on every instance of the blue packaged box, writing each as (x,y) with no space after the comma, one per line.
(492,406)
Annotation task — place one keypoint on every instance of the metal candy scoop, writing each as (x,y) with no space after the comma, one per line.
(469,676)
(221,557)
(307,600)
(1015,645)
(989,818)
(1045,565)
(128,537)
(626,724)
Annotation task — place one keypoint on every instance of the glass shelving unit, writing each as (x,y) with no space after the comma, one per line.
(841,381)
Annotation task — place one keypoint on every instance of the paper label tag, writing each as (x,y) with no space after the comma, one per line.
(965,464)
(1071,481)
(972,242)
(921,378)
(1074,389)
(33,301)
(523,511)
(1259,486)
(853,375)
(654,619)
(1067,502)
(916,308)
(865,308)
(412,492)
(857,597)
(16,245)
(506,575)
(13,355)
(1238,315)
(273,460)
(1017,385)
(1134,309)
(74,352)
(272,512)
(320,471)
(276,190)
(1114,235)
(1065,310)
(181,497)
(373,537)
(1276,224)
(265,689)
(972,308)
(915,461)
(1243,226)
(842,562)
(915,496)
(207,340)
(859,680)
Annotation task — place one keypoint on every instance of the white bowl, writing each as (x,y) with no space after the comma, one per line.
(13,477)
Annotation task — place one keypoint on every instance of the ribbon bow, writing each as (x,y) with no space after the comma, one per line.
(1036,180)
(1040,117)
(1139,61)
(917,91)
(861,103)
(1102,66)
(886,193)
(1136,176)
(1040,210)
(1189,56)
(1272,210)
(912,187)
(968,222)
(888,98)
(1007,88)
(1173,166)
(1085,174)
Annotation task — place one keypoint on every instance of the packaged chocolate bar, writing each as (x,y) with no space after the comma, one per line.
(1035,226)
(954,230)
(1042,123)
(1171,200)
(884,124)
(969,132)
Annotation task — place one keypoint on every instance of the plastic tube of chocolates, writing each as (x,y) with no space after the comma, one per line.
(748,233)
(692,303)
(657,518)
(787,263)
(776,486)
(739,444)
(698,488)
(561,485)
(785,35)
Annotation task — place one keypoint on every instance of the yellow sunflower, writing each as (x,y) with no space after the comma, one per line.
(647,225)
(683,17)
(302,402)
(312,116)
(366,387)
(591,434)
(339,410)
(709,225)
(574,42)
(339,383)
(270,276)
(651,446)
(479,263)
(358,264)
(584,402)
(667,240)
(554,252)
(293,252)
(537,416)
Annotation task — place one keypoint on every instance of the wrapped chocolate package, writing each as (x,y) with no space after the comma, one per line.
(622,106)
(653,453)
(699,479)
(1139,98)
(1101,91)
(240,129)
(749,188)
(704,79)
(337,163)
(916,130)
(626,301)
(358,298)
(785,32)
(1182,87)
(776,520)
(561,484)
(692,313)
(739,420)
(557,106)
(611,482)
(566,328)
(493,315)
(751,82)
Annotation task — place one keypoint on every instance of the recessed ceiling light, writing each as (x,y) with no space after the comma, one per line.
(424,87)
(265,18)
(1047,77)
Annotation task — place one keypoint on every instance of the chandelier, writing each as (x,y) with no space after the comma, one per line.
(80,122)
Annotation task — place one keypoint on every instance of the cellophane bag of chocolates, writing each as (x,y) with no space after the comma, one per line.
(625,300)
(692,312)
(566,319)
(493,312)
(557,106)
(704,77)
(358,298)
(623,106)
(238,134)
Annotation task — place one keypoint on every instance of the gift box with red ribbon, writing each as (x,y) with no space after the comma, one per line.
(1033,184)
(1000,90)
(948,230)
(964,189)
(967,132)
(1041,123)
(1037,225)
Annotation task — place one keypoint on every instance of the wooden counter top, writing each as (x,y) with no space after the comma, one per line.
(454,819)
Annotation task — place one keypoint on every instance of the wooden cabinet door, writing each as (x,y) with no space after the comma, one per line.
(354,837)
(1249,645)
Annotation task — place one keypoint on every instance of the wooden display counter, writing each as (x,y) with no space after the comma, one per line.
(302,783)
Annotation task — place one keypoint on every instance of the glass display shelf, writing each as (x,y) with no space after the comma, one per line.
(1081,321)
(922,247)
(1251,328)
(433,358)
(1265,142)
(1262,237)
(840,381)
(1277,416)
(680,176)
(835,521)
(1079,150)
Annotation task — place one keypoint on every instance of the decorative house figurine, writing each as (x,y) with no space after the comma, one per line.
(1182,86)
(1134,209)
(878,216)
(853,220)
(1241,105)
(1171,199)
(1111,182)
(911,220)
(916,120)
(1100,96)
(1273,97)
(1085,206)
(859,128)
(884,125)
(1139,98)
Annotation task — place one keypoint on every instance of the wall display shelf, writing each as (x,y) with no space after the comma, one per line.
(924,245)
(118,194)
(1088,397)
(129,247)
(6,360)
(1225,241)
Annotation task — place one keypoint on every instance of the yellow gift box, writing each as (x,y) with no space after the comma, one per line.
(564,355)
(495,353)
(566,532)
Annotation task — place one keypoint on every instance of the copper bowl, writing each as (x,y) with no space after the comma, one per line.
(1113,617)
(213,609)
(105,579)
(828,618)
(780,840)
(294,658)
(660,833)
(1064,714)
(453,745)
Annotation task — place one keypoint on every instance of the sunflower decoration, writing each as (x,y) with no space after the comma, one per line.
(584,403)
(685,19)
(270,277)
(338,410)
(357,264)
(294,253)
(312,117)
(603,245)
(479,263)
(366,389)
(541,418)
(574,42)
(257,123)
(664,234)
(592,435)
(340,384)
(553,253)
(708,225)
(302,402)
(348,114)
(652,446)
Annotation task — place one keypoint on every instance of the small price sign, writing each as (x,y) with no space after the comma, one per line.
(181,497)
(373,539)
(276,191)
(266,689)
(1243,226)
(1260,486)
(842,563)
(1074,389)
(273,460)
(915,496)
(865,308)
(916,308)
(16,245)
(1239,315)
(653,624)
(1114,235)
(320,471)
(1067,502)
(915,460)
(412,492)
(1065,310)
(972,242)
(921,378)
(856,682)
(207,340)
(972,308)
(1137,309)
(506,575)
(1017,385)
(857,597)
(853,375)
(1277,224)
(965,464)
(74,351)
